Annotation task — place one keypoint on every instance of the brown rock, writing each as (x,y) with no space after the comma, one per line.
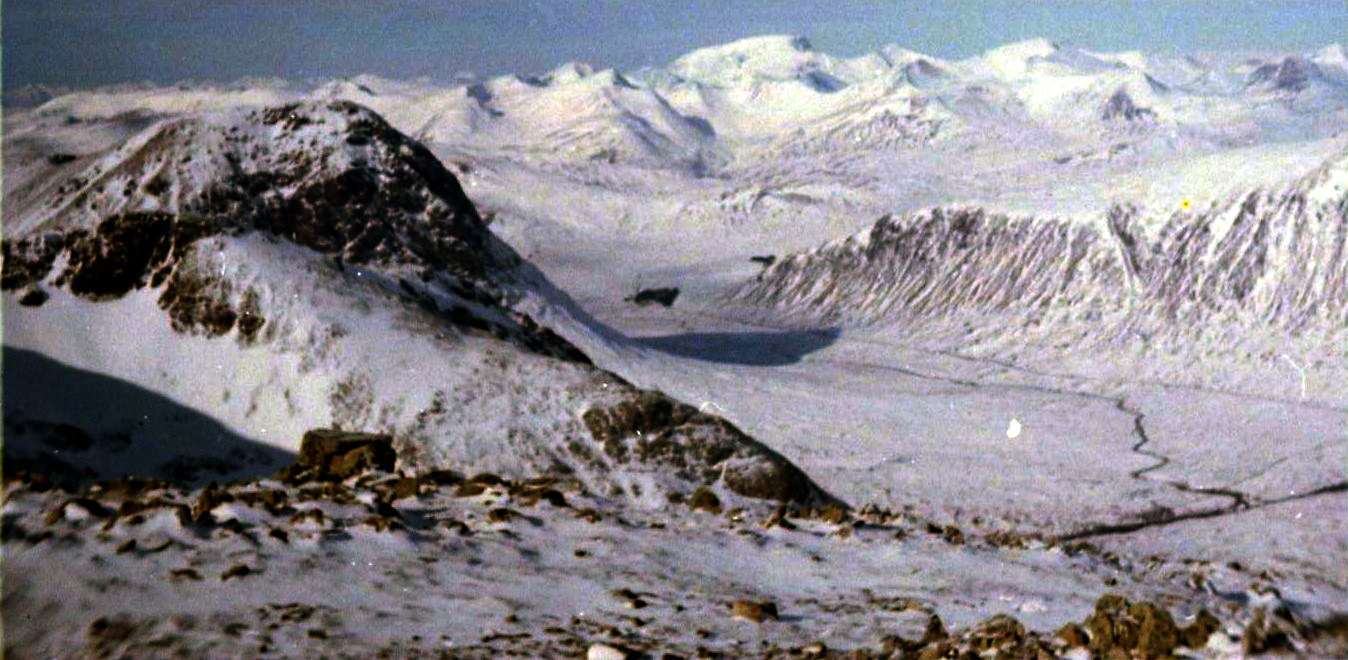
(337,455)
(998,632)
(1265,634)
(1196,634)
(404,487)
(487,479)
(703,499)
(469,489)
(1073,635)
(756,611)
(210,497)
(1141,628)
(441,477)
(185,574)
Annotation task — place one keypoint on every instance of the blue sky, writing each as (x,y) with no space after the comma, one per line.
(91,42)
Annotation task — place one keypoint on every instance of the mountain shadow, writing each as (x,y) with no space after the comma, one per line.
(75,426)
(755,348)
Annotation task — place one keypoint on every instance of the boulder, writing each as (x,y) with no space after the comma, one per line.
(333,455)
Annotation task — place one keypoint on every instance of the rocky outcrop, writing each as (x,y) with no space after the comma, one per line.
(658,432)
(1121,106)
(332,177)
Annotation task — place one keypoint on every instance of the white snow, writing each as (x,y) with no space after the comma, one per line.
(1061,420)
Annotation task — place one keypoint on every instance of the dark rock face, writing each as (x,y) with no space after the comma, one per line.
(1292,74)
(119,257)
(656,430)
(131,251)
(398,205)
(29,260)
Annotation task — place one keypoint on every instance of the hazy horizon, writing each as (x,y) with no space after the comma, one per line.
(83,43)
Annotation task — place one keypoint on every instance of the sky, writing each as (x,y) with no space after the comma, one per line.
(85,43)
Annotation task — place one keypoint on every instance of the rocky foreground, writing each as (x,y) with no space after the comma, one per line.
(340,555)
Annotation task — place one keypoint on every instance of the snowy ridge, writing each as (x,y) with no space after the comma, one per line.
(1263,258)
(307,266)
(743,102)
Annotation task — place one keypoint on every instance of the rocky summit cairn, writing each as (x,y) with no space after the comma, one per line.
(333,455)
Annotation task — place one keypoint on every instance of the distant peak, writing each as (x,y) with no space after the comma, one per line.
(1037,47)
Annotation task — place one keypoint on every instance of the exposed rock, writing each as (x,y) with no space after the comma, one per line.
(28,260)
(185,574)
(656,430)
(107,635)
(1196,634)
(1121,106)
(756,611)
(703,499)
(1144,628)
(1001,633)
(1073,635)
(236,571)
(210,497)
(337,455)
(119,256)
(33,297)
(664,296)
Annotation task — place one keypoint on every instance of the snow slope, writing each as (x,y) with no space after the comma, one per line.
(308,266)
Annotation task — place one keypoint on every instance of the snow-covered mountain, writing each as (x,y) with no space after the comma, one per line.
(305,266)
(1086,367)
(748,100)
(1261,270)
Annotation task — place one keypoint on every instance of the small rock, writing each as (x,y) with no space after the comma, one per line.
(404,487)
(237,570)
(33,297)
(703,499)
(754,610)
(441,477)
(184,574)
(487,479)
(469,489)
(1196,634)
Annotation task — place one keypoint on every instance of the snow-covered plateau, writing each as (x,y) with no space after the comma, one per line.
(762,353)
